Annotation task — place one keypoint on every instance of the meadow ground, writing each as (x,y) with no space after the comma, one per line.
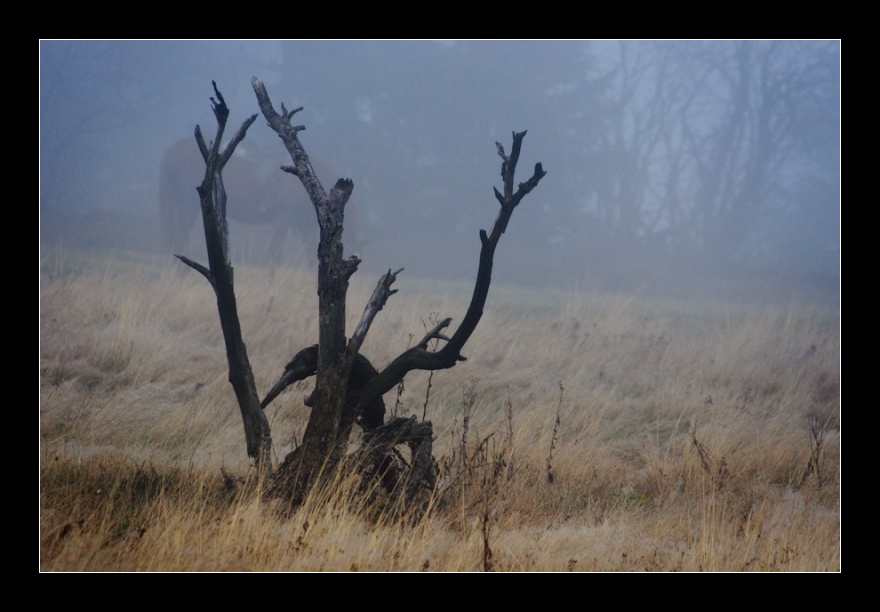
(585,432)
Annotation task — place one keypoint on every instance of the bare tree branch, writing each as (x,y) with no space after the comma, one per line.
(220,274)
(434,334)
(197,267)
(377,301)
(418,357)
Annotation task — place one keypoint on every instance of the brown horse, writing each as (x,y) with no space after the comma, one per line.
(258,192)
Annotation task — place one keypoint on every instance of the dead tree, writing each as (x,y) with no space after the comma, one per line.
(348,388)
(335,402)
(219,273)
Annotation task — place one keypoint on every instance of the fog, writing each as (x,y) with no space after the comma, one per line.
(677,167)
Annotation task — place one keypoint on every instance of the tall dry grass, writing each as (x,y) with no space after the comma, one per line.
(585,432)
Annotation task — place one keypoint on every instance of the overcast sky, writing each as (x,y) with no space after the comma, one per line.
(414,124)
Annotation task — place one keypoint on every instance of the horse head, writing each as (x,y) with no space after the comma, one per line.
(257,191)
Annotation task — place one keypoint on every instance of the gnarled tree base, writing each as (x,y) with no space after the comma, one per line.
(404,486)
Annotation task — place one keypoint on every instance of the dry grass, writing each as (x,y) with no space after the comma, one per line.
(584,433)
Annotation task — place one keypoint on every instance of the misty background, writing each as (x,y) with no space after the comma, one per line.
(673,166)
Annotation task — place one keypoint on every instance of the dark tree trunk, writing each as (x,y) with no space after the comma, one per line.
(334,362)
(220,274)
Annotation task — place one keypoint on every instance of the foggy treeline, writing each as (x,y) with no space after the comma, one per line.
(667,160)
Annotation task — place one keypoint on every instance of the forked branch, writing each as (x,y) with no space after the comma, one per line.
(219,273)
(419,357)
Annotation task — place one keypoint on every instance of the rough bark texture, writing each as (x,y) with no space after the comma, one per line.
(334,362)
(220,274)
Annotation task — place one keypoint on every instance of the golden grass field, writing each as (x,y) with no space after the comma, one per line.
(585,432)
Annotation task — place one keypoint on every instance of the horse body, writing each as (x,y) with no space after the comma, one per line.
(257,191)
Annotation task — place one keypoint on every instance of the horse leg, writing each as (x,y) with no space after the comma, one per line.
(276,245)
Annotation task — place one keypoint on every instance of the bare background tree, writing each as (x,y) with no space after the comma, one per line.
(348,389)
(702,150)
